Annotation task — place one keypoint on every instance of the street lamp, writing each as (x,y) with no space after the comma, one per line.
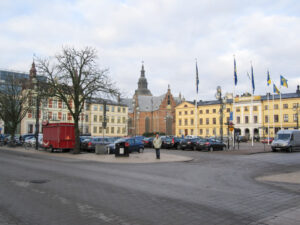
(37,125)
(219,97)
(296,108)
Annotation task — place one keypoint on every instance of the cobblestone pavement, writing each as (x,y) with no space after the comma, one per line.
(214,188)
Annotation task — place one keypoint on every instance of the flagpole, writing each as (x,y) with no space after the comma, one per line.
(251,110)
(273,113)
(233,100)
(268,97)
(280,108)
(196,110)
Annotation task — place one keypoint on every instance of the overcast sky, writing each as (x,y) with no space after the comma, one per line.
(167,35)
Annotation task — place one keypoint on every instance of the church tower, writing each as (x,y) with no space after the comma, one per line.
(143,85)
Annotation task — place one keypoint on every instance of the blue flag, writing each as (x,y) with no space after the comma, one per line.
(275,89)
(197,78)
(235,73)
(252,78)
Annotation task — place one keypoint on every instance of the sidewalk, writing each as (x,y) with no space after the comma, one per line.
(146,157)
(247,149)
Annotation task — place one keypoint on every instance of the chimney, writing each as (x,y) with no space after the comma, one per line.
(298,90)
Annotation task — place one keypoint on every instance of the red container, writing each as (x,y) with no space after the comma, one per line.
(59,136)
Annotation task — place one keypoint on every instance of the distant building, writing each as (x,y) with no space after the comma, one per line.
(151,114)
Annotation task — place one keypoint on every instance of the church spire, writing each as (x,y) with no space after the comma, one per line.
(143,70)
(32,72)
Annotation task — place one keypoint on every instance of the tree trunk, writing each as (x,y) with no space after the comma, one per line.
(77,138)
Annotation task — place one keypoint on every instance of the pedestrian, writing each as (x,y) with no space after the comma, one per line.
(157,145)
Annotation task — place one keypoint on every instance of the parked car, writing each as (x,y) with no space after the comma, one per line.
(134,145)
(265,140)
(148,142)
(89,144)
(210,144)
(182,144)
(176,142)
(192,143)
(166,142)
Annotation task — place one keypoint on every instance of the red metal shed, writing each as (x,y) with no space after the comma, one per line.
(59,136)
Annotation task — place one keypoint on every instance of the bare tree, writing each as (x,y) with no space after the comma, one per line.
(74,77)
(15,102)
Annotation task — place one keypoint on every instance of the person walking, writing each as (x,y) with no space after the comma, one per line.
(157,145)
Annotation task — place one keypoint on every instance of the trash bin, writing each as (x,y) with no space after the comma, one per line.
(122,149)
(100,149)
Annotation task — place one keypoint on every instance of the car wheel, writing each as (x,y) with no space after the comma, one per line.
(273,150)
(51,148)
(141,150)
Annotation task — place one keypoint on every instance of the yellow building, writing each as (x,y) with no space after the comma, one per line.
(207,118)
(251,117)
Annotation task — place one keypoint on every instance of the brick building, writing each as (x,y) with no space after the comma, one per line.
(148,113)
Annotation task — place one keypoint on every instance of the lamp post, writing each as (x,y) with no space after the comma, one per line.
(296,109)
(37,124)
(219,97)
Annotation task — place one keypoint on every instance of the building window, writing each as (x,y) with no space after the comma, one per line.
(207,111)
(101,108)
(266,107)
(179,122)
(246,109)
(113,109)
(207,120)
(238,120)
(192,131)
(54,115)
(266,119)
(123,119)
(246,119)
(100,118)
(100,130)
(123,130)
(201,131)
(185,113)
(112,119)
(192,121)
(64,117)
(214,131)
(295,117)
(238,109)
(112,130)
(107,130)
(276,106)
(45,103)
(95,118)
(285,106)
(30,129)
(201,111)
(54,104)
(64,106)
(255,108)
(95,108)
(201,121)
(214,110)
(107,108)
(119,109)
(179,113)
(185,122)
(286,118)
(228,110)
(118,130)
(207,132)
(94,129)
(255,119)
(86,118)
(276,118)
(119,120)
(192,112)
(124,110)
(214,121)
(295,105)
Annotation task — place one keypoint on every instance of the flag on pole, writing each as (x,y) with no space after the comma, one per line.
(197,78)
(275,89)
(268,78)
(252,78)
(283,81)
(235,73)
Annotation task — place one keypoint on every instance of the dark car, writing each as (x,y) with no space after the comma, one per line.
(134,145)
(166,142)
(176,142)
(148,142)
(89,144)
(210,144)
(183,144)
(242,139)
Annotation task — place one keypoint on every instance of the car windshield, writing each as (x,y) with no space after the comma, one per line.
(283,136)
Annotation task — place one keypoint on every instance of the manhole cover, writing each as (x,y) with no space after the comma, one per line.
(39,181)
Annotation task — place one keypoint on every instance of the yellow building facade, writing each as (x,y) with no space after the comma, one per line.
(258,116)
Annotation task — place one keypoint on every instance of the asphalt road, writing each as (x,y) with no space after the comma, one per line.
(211,189)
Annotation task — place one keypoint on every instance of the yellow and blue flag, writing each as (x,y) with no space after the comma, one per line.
(268,78)
(275,89)
(283,81)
